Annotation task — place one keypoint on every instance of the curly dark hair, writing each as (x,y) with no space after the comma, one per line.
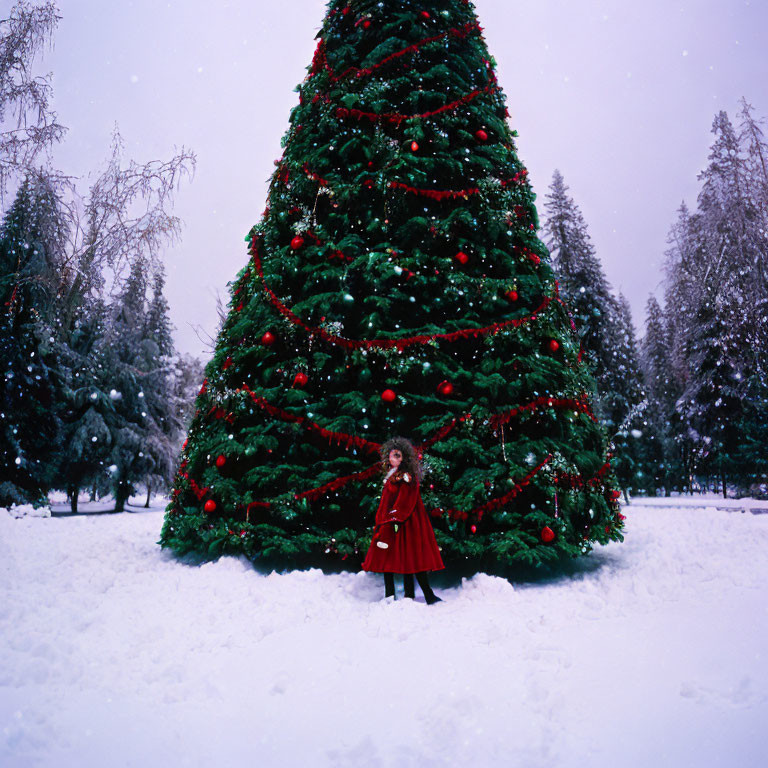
(410,462)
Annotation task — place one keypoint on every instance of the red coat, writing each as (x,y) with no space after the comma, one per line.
(413,547)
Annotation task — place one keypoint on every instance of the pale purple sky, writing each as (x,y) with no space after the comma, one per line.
(618,95)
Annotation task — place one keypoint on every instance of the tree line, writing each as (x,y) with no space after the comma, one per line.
(687,405)
(93,394)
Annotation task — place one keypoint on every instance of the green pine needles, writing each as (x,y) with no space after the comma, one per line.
(396,285)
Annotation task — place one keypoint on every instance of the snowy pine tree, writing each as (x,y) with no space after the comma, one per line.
(628,400)
(586,289)
(682,296)
(720,353)
(30,254)
(605,326)
(164,423)
(660,453)
(755,148)
(84,407)
(713,289)
(751,454)
(124,380)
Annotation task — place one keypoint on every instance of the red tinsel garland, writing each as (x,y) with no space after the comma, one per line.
(350,441)
(399,344)
(354,441)
(397,118)
(198,491)
(340,482)
(320,59)
(496,420)
(315,176)
(546,402)
(443,432)
(577,481)
(220,413)
(10,303)
(434,194)
(499,501)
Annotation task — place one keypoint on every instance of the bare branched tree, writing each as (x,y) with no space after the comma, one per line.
(24,98)
(209,340)
(124,217)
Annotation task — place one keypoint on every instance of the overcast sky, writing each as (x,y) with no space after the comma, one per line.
(620,96)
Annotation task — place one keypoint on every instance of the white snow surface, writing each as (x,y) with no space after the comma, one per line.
(23,510)
(650,652)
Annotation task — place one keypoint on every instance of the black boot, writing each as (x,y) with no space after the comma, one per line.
(408,585)
(389,585)
(429,595)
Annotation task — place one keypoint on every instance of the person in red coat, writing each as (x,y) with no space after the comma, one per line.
(403,539)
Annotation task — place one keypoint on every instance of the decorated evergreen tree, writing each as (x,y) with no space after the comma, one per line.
(396,286)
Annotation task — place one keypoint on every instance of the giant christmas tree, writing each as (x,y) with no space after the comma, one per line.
(396,286)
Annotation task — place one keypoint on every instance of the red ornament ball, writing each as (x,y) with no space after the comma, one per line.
(388,395)
(210,505)
(554,345)
(462,257)
(300,379)
(227,363)
(185,443)
(268,338)
(547,534)
(366,24)
(512,295)
(425,15)
(414,146)
(481,135)
(297,242)
(221,460)
(445,388)
(473,528)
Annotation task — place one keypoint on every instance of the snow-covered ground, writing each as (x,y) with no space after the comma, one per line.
(114,653)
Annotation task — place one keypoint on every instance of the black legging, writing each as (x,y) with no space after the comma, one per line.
(408,589)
